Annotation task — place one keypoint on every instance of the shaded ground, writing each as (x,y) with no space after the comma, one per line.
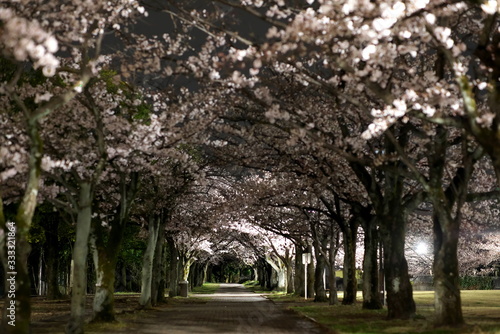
(232,309)
(50,316)
(481,309)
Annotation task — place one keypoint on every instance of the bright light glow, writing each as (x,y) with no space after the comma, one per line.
(421,248)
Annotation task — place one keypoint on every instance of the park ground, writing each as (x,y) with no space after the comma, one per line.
(481,309)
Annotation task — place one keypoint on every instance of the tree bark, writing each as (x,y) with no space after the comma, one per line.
(310,274)
(205,273)
(187,261)
(52,263)
(103,303)
(18,246)
(334,241)
(174,268)
(319,282)
(280,268)
(392,220)
(298,280)
(448,309)
(159,274)
(108,250)
(147,263)
(196,274)
(80,251)
(40,291)
(290,277)
(349,232)
(158,283)
(265,274)
(371,295)
(400,304)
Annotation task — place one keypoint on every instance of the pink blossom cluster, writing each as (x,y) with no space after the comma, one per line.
(27,40)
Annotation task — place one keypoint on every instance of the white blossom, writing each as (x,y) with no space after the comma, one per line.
(428,110)
(380,24)
(420,4)
(430,18)
(482,85)
(8,174)
(368,51)
(490,6)
(44,97)
(51,44)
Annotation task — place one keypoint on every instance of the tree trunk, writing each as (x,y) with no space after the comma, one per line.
(51,261)
(3,292)
(392,220)
(80,251)
(186,266)
(310,274)
(147,263)
(333,298)
(16,243)
(266,272)
(201,273)
(349,232)
(371,295)
(205,274)
(19,320)
(40,290)
(269,276)
(332,255)
(69,277)
(160,274)
(174,268)
(103,304)
(196,275)
(105,259)
(108,250)
(290,276)
(298,280)
(400,304)
(319,283)
(158,282)
(278,265)
(448,309)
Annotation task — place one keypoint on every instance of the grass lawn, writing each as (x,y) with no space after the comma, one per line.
(254,286)
(481,310)
(206,288)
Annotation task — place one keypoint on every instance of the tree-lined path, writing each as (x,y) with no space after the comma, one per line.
(232,309)
(146,143)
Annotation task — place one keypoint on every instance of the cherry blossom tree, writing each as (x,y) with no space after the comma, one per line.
(32,33)
(374,47)
(334,113)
